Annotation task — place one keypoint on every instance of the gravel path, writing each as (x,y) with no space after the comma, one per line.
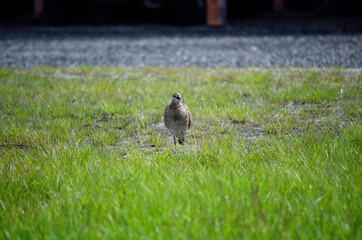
(318,43)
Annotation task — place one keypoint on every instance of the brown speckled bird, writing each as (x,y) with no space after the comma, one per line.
(177,118)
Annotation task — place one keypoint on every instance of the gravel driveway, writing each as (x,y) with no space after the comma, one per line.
(313,43)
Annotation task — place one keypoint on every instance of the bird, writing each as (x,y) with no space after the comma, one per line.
(177,119)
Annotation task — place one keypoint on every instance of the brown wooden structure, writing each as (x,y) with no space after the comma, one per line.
(277,5)
(214,10)
(38,7)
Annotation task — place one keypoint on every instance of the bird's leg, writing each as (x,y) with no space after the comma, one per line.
(174,141)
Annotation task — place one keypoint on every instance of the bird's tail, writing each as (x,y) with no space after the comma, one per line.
(181,141)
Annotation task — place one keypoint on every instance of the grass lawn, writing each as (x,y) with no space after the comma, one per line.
(272,153)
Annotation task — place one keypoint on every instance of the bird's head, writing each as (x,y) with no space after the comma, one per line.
(176,98)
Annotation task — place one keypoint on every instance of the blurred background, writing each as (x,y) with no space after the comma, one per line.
(162,33)
(172,12)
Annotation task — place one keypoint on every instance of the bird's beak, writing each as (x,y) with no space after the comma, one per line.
(182,100)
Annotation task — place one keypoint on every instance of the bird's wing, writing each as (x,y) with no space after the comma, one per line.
(165,117)
(189,117)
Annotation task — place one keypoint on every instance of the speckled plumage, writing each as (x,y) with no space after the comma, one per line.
(177,118)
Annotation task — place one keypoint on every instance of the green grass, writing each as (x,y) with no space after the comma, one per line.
(272,153)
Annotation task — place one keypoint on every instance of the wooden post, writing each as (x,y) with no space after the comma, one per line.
(278,5)
(38,7)
(215,12)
